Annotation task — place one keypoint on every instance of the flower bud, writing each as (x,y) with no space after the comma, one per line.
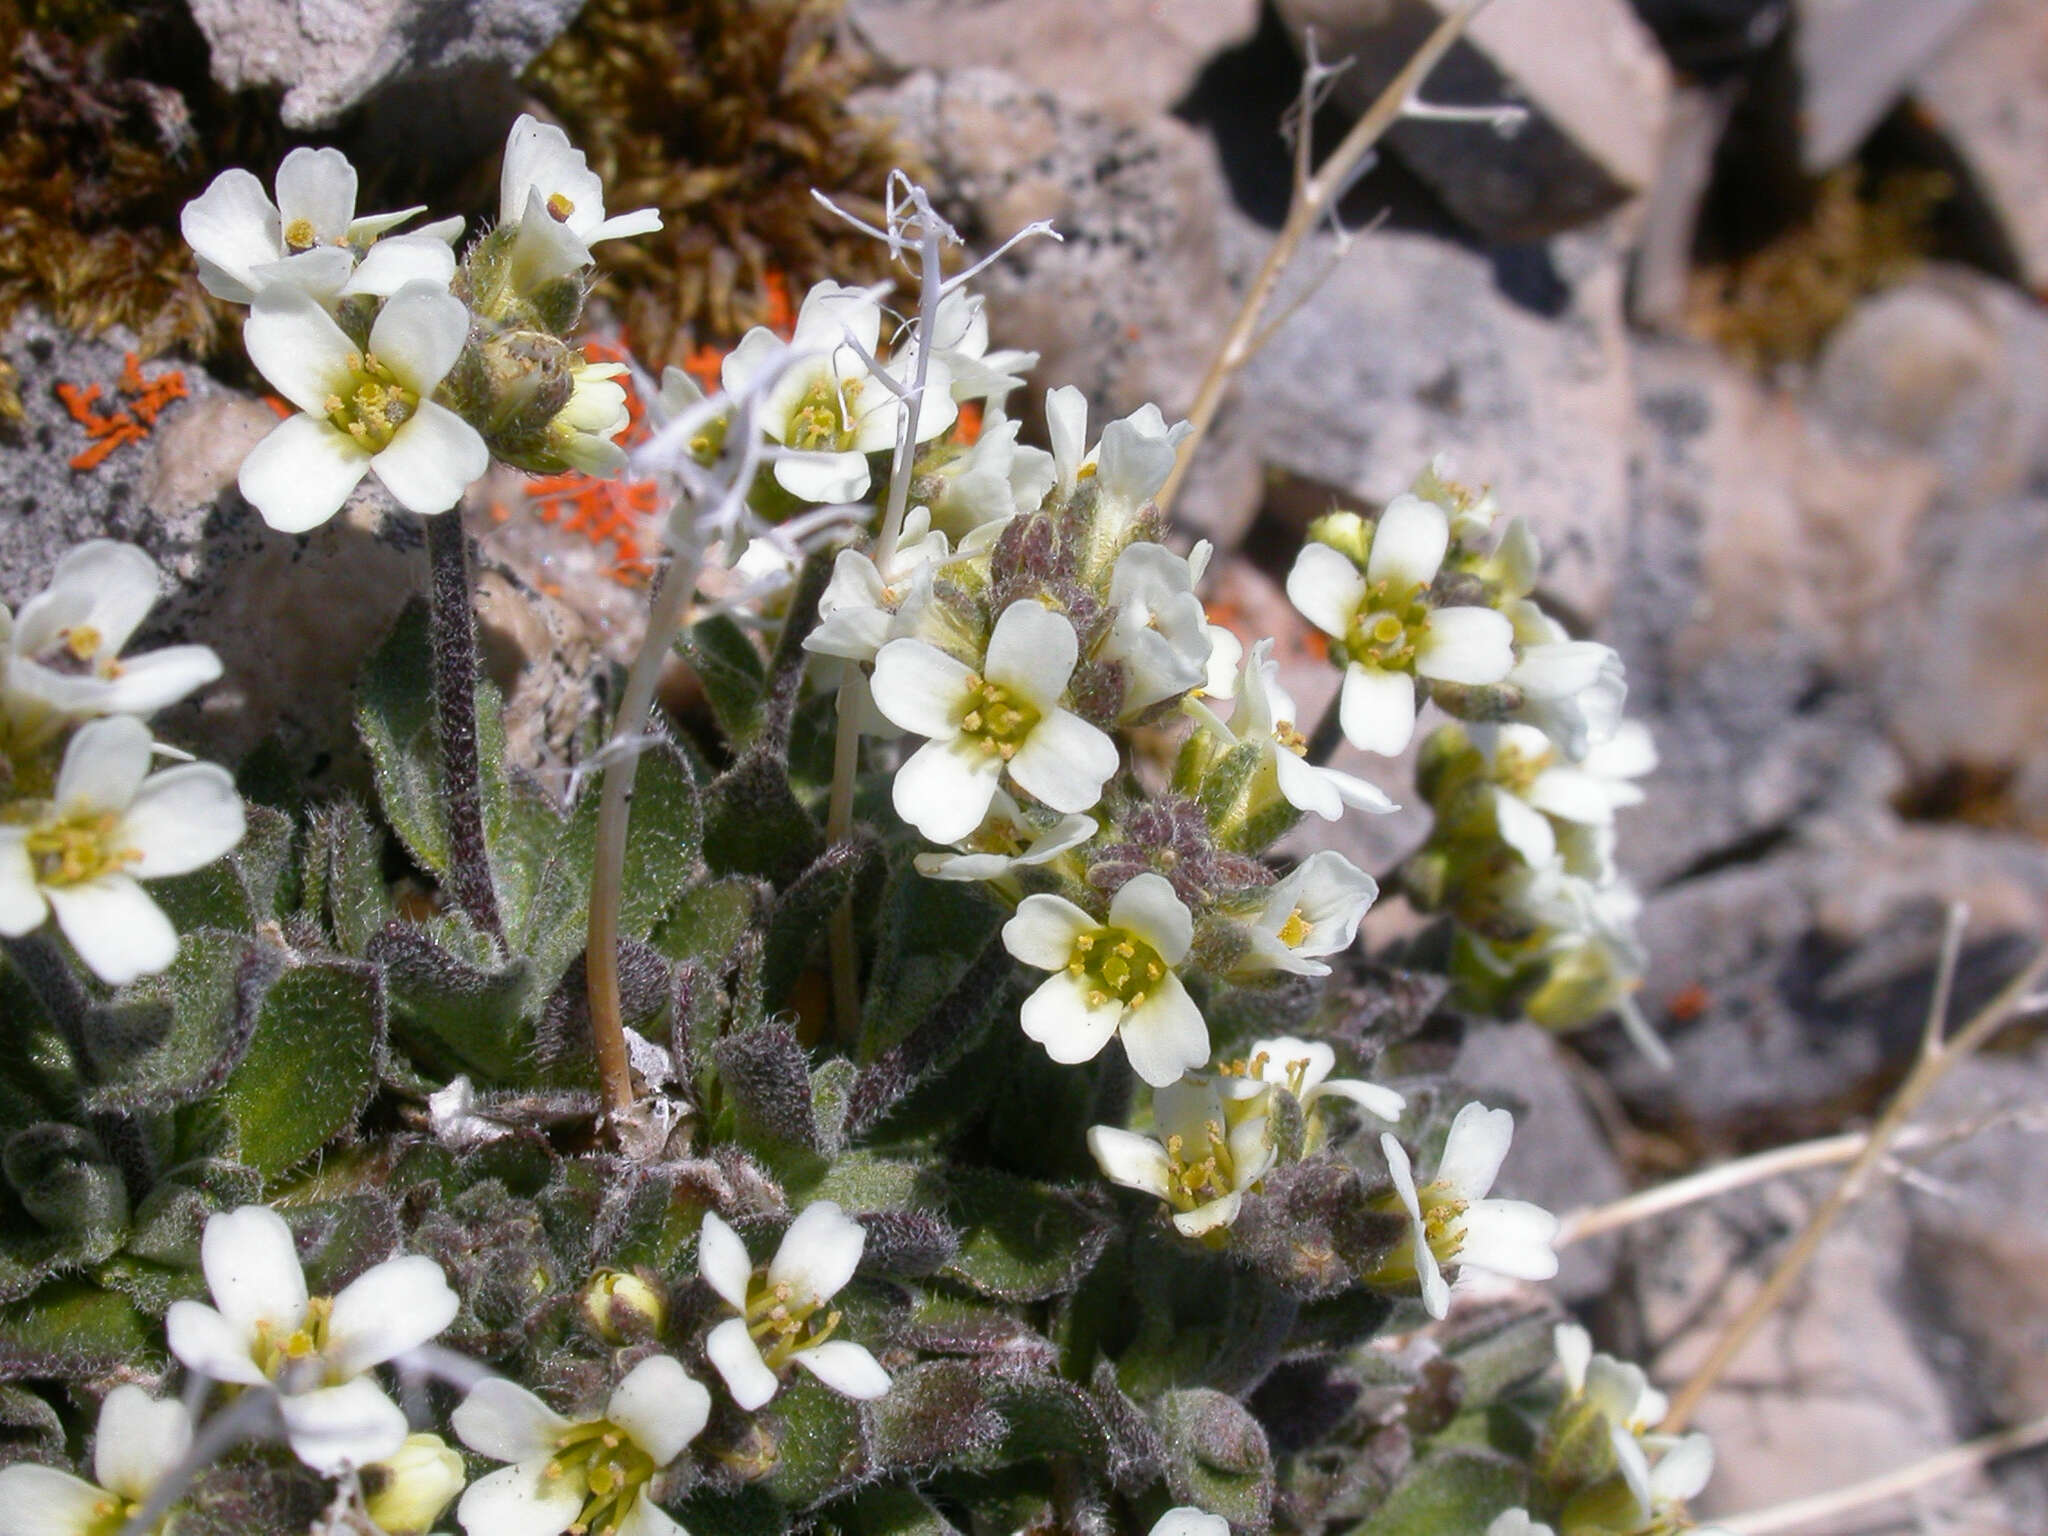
(622,1307)
(406,1492)
(1346,532)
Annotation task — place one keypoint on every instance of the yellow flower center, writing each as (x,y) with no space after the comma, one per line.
(111,1514)
(1389,626)
(1443,1228)
(299,235)
(823,419)
(559,208)
(70,850)
(612,1469)
(1288,737)
(1119,965)
(1295,931)
(1196,1176)
(996,717)
(1516,770)
(781,1322)
(280,1354)
(375,405)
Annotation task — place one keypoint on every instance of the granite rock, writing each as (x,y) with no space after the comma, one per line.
(1856,58)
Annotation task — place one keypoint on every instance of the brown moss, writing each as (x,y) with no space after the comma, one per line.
(723,114)
(1777,304)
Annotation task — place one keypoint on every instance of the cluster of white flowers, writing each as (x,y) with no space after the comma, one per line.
(83,820)
(402,363)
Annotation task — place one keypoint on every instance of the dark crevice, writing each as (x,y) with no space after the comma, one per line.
(1752,848)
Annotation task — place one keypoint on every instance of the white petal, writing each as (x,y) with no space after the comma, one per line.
(252,1268)
(387,1310)
(1285,1053)
(1402,1173)
(364,230)
(1134,1161)
(823,477)
(1377,709)
(1165,1036)
(722,1261)
(1436,1292)
(110,586)
(1064,762)
(1561,668)
(1220,1212)
(41,1501)
(919,688)
(1186,1520)
(1059,1017)
(1146,904)
(641,221)
(104,765)
(419,333)
(319,186)
(138,1442)
(944,788)
(661,1406)
(209,1344)
(1524,829)
(1331,790)
(1573,794)
(432,460)
(149,682)
(542,249)
(22,908)
(1629,753)
(1474,1150)
(1510,1237)
(819,1252)
(233,227)
(1466,645)
(299,476)
(1136,455)
(647,1518)
(182,819)
(297,347)
(1066,429)
(846,1368)
(340,1428)
(1574,1353)
(391,264)
(1031,652)
(521,1501)
(829,312)
(1370,1097)
(502,1420)
(1326,587)
(116,928)
(320,274)
(1226,655)
(1043,931)
(734,1355)
(1408,542)
(1683,1470)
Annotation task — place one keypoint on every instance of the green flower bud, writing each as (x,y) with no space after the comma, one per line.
(1346,532)
(622,1307)
(406,1492)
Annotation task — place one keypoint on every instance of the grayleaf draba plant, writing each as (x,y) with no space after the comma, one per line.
(926,1097)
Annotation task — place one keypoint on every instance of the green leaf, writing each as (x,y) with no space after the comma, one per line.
(344,888)
(798,922)
(395,719)
(65,1180)
(734,676)
(708,921)
(453,1003)
(928,934)
(1020,1240)
(71,1328)
(892,1511)
(29,1423)
(173,1038)
(1449,1491)
(1217,1458)
(819,1447)
(755,825)
(311,1064)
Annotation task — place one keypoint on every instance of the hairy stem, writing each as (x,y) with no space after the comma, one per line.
(453,634)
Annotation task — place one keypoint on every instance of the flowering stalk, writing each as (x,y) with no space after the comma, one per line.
(452,618)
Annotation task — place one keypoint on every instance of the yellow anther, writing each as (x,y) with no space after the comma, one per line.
(1295,931)
(299,235)
(559,208)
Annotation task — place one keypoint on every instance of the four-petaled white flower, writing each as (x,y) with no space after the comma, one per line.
(310,238)
(546,188)
(1186,1520)
(62,657)
(1451,1221)
(1206,1151)
(140,1441)
(589,1476)
(361,411)
(1123,471)
(1303,1068)
(109,825)
(1660,1491)
(315,1352)
(582,433)
(1005,719)
(990,483)
(1617,1390)
(1572,690)
(1314,911)
(1161,633)
(826,408)
(1391,630)
(1536,786)
(783,1317)
(864,607)
(1113,976)
(1005,841)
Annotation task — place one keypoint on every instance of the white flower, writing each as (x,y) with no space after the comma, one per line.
(1452,1223)
(1161,633)
(864,607)
(1303,1068)
(1114,977)
(991,482)
(783,1319)
(584,1476)
(1186,1520)
(315,1352)
(360,411)
(582,431)
(310,238)
(1204,1154)
(825,407)
(140,1441)
(63,651)
(1005,841)
(1517,1522)
(108,825)
(406,1491)
(1314,911)
(1615,1389)
(1660,1491)
(546,188)
(1535,785)
(960,341)
(1572,690)
(1392,633)
(1005,719)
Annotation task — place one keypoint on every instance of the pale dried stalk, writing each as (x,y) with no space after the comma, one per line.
(1889,1485)
(1315,195)
(1937,1058)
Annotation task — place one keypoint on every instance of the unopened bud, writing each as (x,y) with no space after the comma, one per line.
(622,1307)
(1346,532)
(406,1492)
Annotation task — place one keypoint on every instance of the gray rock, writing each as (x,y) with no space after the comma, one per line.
(329,55)
(1134,58)
(1984,94)
(1588,72)
(1856,59)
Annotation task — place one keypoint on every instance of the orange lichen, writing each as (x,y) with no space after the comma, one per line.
(108,430)
(967,426)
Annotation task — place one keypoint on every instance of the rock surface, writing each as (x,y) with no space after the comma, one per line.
(1856,59)
(1587,71)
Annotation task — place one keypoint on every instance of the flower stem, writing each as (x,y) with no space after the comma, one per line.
(614,808)
(452,627)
